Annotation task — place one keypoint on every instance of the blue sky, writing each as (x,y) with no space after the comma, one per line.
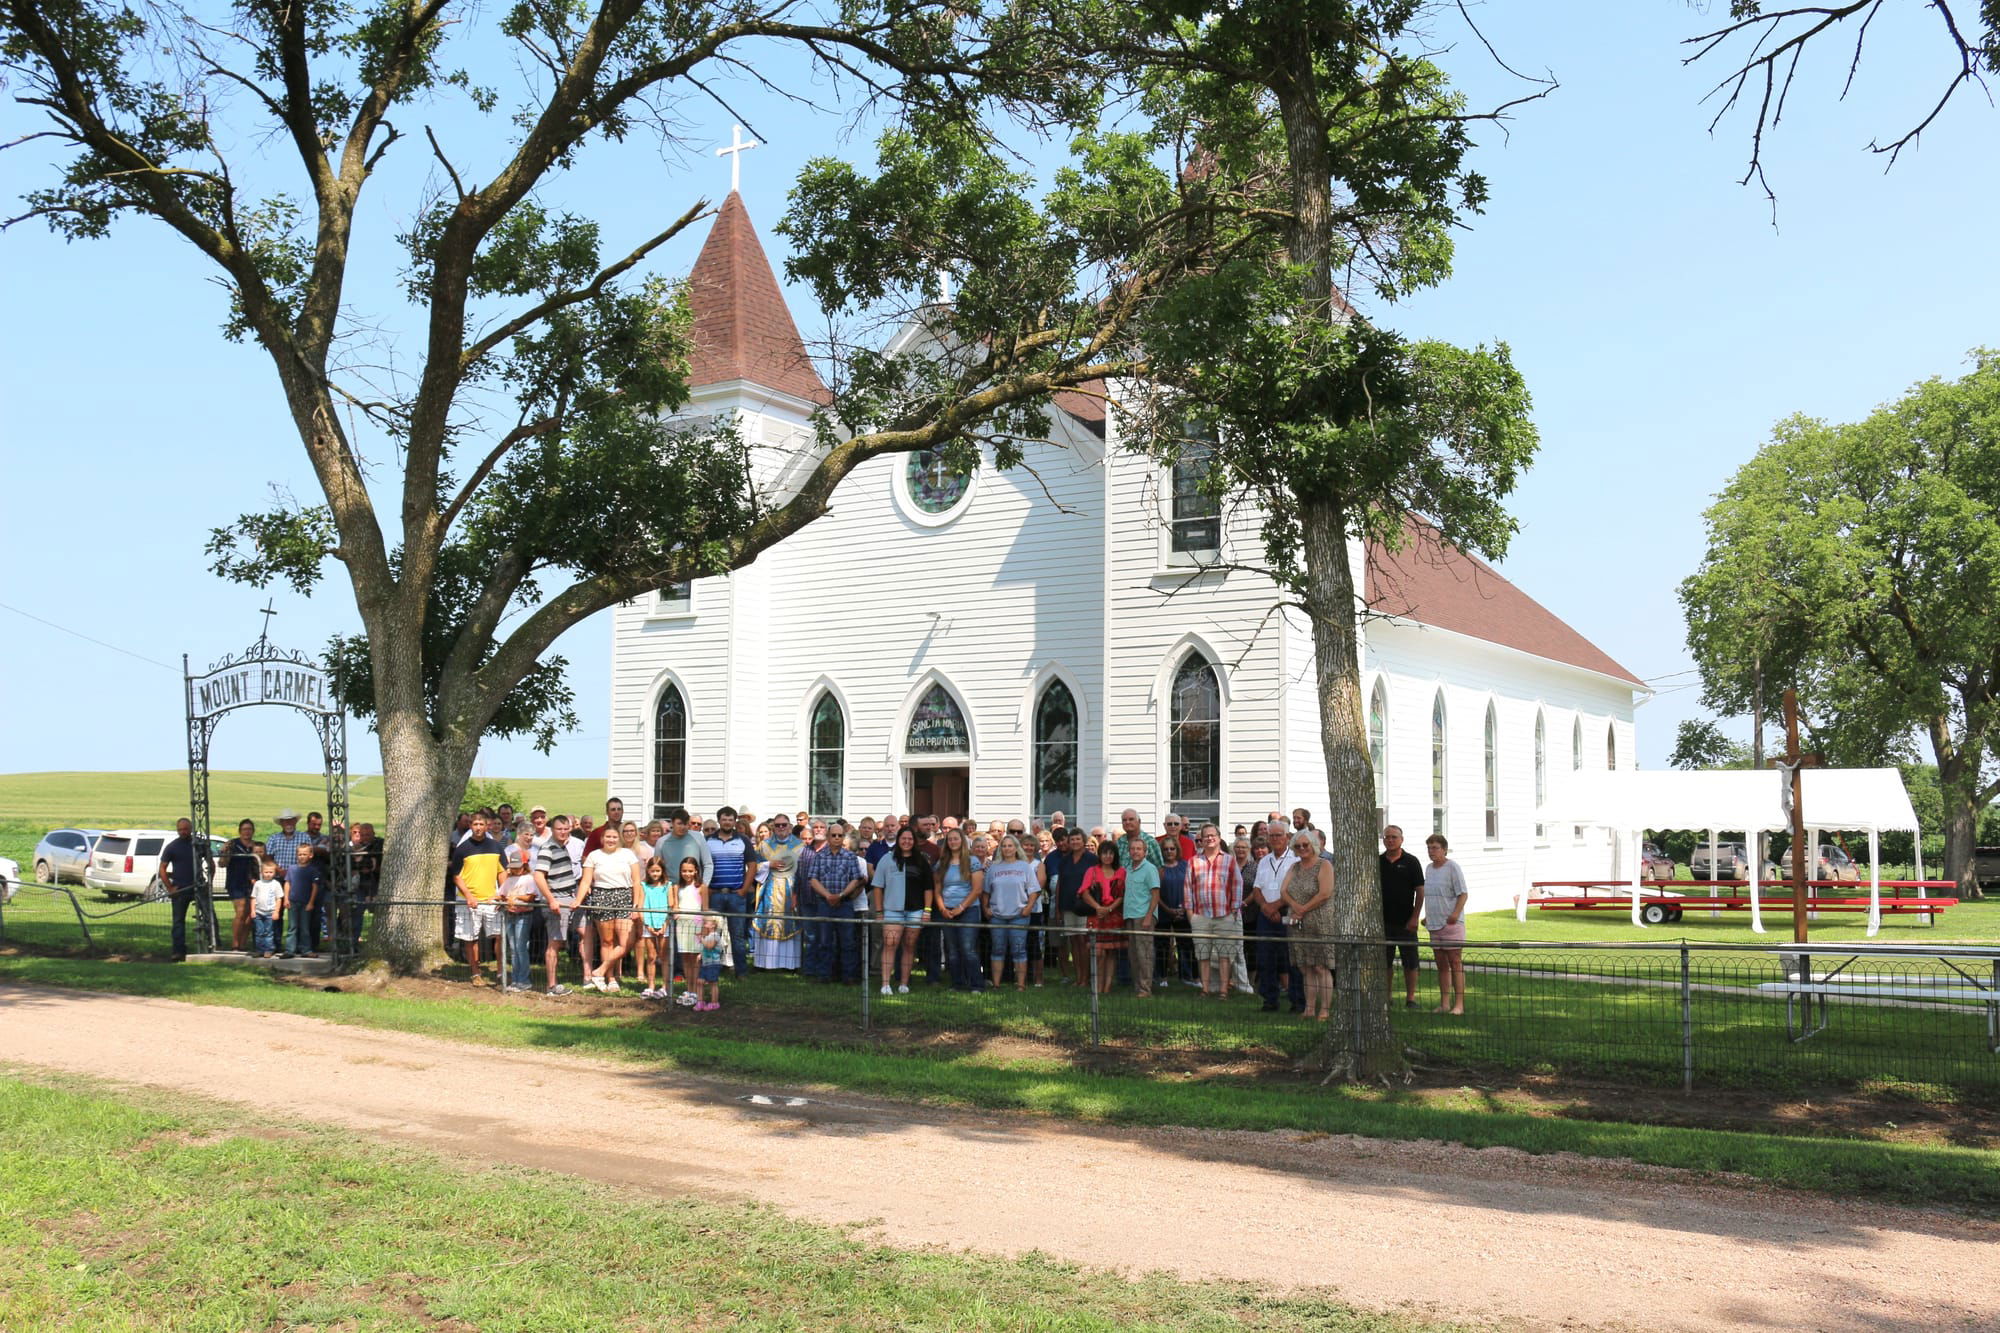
(1662,320)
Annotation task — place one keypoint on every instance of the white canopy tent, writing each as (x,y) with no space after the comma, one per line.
(1630,801)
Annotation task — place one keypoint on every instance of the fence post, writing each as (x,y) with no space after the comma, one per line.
(867,971)
(1687,1024)
(1091,944)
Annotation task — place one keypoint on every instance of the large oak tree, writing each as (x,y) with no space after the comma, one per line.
(508,475)
(1860,563)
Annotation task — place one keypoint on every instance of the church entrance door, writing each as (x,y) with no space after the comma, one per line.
(940,791)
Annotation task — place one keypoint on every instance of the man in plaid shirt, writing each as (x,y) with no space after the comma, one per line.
(1214,898)
(833,881)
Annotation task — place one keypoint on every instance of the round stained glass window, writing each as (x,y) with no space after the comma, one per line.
(935,486)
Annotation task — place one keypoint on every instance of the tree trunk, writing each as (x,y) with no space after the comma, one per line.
(1361,1044)
(1958,788)
(1958,784)
(423,781)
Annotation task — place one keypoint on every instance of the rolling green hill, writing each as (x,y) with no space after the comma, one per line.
(114,800)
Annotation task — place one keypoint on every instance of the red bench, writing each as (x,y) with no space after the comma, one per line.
(1656,907)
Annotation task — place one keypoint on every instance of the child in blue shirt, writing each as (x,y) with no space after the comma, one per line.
(306,883)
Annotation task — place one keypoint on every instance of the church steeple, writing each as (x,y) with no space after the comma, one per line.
(742,327)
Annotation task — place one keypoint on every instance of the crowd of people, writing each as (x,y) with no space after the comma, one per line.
(676,905)
(279,887)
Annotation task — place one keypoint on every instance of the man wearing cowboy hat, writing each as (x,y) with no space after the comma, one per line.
(283,847)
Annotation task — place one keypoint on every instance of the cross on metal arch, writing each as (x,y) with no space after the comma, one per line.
(738,145)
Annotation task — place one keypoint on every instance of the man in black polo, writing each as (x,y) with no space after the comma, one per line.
(179,878)
(1402,899)
(1067,867)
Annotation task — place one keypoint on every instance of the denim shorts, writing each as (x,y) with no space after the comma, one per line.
(891,917)
(1010,939)
(711,971)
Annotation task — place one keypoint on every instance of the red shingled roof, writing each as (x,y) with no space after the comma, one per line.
(1086,404)
(1434,583)
(742,327)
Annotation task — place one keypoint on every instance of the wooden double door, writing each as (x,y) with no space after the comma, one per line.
(940,791)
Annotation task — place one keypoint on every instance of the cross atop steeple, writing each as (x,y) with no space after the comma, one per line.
(738,145)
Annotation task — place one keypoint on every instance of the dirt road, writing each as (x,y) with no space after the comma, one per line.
(1555,1242)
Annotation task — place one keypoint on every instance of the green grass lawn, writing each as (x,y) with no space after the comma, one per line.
(986,1073)
(120,1212)
(44,801)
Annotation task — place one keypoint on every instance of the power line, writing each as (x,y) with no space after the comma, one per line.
(87,639)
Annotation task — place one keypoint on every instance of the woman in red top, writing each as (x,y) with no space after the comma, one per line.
(1103,896)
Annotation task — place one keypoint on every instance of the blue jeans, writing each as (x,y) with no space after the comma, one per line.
(734,909)
(843,941)
(302,935)
(813,939)
(265,928)
(181,902)
(520,928)
(961,948)
(1010,940)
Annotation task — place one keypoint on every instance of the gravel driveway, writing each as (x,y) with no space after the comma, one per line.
(1551,1242)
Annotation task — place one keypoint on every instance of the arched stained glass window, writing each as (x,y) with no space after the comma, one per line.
(1541,770)
(1438,756)
(1611,746)
(1194,741)
(1492,774)
(826,757)
(937,725)
(1378,750)
(670,729)
(1057,747)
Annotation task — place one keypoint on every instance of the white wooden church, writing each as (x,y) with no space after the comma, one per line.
(1019,642)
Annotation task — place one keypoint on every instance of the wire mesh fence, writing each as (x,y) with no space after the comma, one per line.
(1885,1018)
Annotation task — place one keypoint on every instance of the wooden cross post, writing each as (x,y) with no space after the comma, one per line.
(1797,764)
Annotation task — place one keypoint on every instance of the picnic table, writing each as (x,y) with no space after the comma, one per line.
(1807,996)
(1660,904)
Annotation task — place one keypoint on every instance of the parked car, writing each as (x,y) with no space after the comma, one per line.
(125,863)
(62,856)
(1655,865)
(10,878)
(1833,863)
(1986,867)
(1731,861)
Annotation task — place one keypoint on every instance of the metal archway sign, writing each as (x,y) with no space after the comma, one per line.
(265,674)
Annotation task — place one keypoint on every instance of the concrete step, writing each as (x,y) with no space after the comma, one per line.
(306,967)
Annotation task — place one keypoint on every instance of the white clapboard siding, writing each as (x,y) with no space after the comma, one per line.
(872,605)
(1414,662)
(1157,613)
(1061,567)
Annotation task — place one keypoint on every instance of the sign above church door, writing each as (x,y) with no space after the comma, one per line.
(937,726)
